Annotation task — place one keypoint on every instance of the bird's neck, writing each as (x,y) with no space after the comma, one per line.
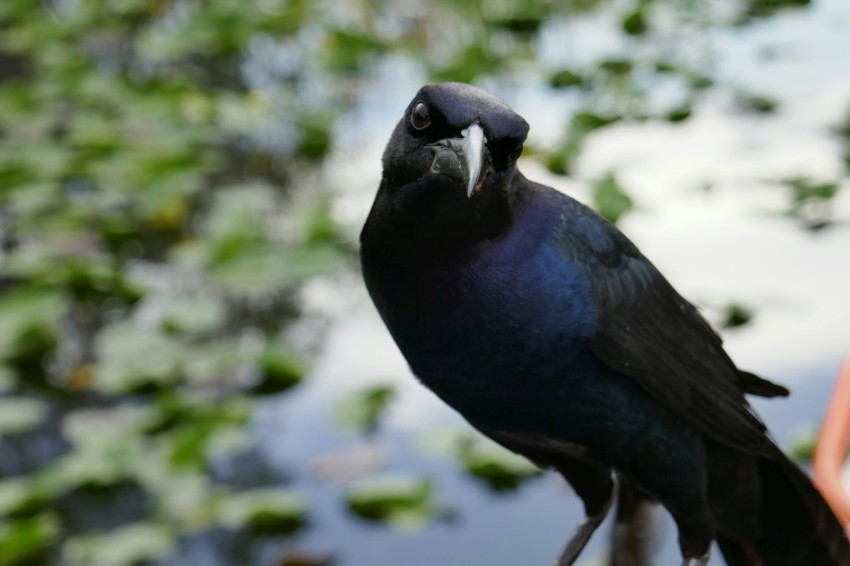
(423,223)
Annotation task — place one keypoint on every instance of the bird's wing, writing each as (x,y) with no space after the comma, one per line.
(648,332)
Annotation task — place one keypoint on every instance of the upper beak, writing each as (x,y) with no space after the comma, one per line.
(462,157)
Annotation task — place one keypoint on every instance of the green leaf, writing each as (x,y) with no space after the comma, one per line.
(129,545)
(559,161)
(317,224)
(267,511)
(279,368)
(197,316)
(565,78)
(587,121)
(736,315)
(104,455)
(19,414)
(634,23)
(609,198)
(499,468)
(29,319)
(26,541)
(361,409)
(132,358)
(616,67)
(679,114)
(21,496)
(267,269)
(756,103)
(403,502)
(803,444)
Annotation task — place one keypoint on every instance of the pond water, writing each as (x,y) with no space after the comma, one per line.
(709,202)
(122,441)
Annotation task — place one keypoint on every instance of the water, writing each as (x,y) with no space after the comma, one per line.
(709,203)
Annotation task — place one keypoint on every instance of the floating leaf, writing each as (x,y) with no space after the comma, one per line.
(559,161)
(499,468)
(28,321)
(130,545)
(314,137)
(811,201)
(20,496)
(756,103)
(616,67)
(565,78)
(401,501)
(736,315)
(318,224)
(19,414)
(609,198)
(268,511)
(197,316)
(679,114)
(132,358)
(762,8)
(803,443)
(361,409)
(586,121)
(27,541)
(279,369)
(634,23)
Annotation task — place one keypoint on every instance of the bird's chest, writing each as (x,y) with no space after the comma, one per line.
(494,335)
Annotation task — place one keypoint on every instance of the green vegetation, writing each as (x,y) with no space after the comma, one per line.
(156,230)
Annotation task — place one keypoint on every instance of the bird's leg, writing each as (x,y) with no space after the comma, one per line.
(698,561)
(580,537)
(594,484)
(635,536)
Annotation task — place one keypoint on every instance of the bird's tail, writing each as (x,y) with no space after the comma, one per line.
(797,527)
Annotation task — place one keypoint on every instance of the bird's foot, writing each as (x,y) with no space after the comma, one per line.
(697,561)
(580,537)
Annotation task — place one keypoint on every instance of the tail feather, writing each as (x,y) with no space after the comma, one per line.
(797,527)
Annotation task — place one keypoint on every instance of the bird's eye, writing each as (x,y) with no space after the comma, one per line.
(420,117)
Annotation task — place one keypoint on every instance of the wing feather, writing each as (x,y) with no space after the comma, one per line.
(648,332)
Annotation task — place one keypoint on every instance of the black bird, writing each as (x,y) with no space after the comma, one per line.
(547,329)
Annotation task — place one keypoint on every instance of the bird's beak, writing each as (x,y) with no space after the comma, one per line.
(461,158)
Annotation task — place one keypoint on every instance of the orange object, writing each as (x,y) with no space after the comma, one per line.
(831,449)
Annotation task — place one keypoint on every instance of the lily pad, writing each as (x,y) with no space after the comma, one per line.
(362,409)
(19,414)
(26,541)
(405,502)
(609,198)
(130,545)
(499,468)
(268,511)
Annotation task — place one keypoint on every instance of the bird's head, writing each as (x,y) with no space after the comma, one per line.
(451,160)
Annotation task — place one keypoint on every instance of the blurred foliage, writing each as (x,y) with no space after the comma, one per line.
(756,103)
(803,444)
(404,502)
(362,408)
(735,315)
(609,198)
(811,202)
(160,212)
(495,466)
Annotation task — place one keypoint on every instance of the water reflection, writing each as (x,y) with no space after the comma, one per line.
(313,482)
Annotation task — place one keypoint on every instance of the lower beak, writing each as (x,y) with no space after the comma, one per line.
(461,158)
